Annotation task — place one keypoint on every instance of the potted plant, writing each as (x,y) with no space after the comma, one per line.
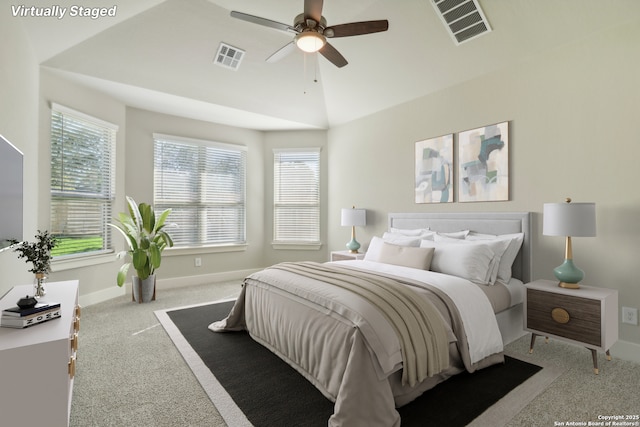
(146,237)
(37,253)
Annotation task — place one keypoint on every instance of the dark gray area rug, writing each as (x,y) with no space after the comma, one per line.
(268,392)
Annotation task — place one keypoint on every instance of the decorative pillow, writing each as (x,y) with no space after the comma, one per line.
(406,256)
(474,262)
(508,257)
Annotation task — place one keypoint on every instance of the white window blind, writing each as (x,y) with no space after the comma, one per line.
(82,182)
(203,182)
(296,183)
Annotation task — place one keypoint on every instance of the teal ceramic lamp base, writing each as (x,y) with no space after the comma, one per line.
(568,274)
(353,246)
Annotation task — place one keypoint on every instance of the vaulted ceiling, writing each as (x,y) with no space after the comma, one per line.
(158,54)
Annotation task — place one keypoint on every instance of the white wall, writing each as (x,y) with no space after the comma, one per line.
(19,124)
(573,132)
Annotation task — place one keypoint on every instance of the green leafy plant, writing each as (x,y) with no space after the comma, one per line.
(38,253)
(146,237)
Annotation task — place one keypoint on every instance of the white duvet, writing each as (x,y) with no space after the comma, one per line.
(483,334)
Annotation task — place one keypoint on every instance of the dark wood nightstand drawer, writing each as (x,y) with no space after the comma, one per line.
(582,316)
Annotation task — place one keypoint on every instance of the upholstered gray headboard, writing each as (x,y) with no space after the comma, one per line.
(481,222)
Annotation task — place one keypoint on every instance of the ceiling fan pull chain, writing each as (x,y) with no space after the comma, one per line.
(304,72)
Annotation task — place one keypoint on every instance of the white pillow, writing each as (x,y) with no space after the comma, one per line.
(409,232)
(373,251)
(401,240)
(406,256)
(474,262)
(498,247)
(508,257)
(431,235)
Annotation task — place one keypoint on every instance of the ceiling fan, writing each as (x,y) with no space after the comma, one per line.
(311,32)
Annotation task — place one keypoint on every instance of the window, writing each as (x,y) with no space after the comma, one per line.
(203,182)
(82,182)
(296,200)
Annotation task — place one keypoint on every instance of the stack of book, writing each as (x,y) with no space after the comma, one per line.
(16,317)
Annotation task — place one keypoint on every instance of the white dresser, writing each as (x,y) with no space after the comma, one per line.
(37,364)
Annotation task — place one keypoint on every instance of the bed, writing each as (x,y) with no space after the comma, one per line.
(374,334)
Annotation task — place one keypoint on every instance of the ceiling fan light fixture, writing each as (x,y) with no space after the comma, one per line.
(310,41)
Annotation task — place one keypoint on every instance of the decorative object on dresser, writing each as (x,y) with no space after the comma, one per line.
(569,220)
(37,253)
(29,312)
(146,237)
(587,316)
(345,255)
(353,218)
(37,365)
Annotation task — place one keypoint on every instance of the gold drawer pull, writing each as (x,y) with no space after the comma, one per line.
(74,342)
(78,310)
(560,315)
(72,367)
(76,324)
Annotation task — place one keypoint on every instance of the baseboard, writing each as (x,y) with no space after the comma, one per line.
(626,350)
(101,296)
(202,279)
(166,283)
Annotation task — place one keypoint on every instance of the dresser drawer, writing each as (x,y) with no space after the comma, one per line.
(566,316)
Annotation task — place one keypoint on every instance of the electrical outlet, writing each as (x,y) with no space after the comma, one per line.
(197,262)
(630,315)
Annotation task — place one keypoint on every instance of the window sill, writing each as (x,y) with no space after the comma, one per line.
(81,261)
(196,250)
(297,246)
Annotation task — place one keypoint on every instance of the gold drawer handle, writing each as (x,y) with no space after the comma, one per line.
(72,367)
(76,324)
(74,342)
(560,315)
(78,310)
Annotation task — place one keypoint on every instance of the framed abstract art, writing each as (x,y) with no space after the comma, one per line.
(483,164)
(433,173)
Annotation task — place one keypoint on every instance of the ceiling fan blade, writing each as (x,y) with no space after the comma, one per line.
(313,9)
(263,21)
(330,52)
(282,52)
(356,28)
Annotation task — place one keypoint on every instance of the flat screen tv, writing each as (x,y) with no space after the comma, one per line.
(11,193)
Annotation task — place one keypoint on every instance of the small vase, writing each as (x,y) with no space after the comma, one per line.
(38,285)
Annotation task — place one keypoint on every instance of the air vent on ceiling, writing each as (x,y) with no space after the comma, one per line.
(463,18)
(229,56)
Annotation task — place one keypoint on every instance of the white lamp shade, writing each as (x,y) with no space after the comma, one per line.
(352,217)
(569,219)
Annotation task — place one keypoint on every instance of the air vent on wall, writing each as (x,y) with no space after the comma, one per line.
(463,18)
(229,56)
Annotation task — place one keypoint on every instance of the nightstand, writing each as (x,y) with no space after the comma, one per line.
(345,255)
(587,316)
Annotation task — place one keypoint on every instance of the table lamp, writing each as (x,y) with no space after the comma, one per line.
(353,218)
(569,220)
